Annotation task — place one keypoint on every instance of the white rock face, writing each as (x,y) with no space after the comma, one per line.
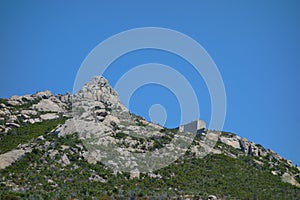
(29,112)
(49,116)
(48,105)
(234,141)
(65,159)
(13,103)
(10,157)
(65,98)
(286,177)
(251,148)
(99,90)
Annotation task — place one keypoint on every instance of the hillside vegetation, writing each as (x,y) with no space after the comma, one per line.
(59,147)
(38,175)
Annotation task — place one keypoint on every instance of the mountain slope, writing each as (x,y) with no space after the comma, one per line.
(39,161)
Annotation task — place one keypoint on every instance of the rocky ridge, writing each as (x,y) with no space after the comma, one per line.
(96,114)
(19,110)
(237,147)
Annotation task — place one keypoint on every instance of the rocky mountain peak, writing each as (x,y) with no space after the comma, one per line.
(122,138)
(93,134)
(99,89)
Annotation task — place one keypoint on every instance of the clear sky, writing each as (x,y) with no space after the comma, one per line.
(255,44)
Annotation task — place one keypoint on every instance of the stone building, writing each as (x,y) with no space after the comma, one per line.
(198,126)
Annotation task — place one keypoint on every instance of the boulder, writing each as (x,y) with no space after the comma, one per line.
(52,153)
(32,121)
(14,98)
(276,173)
(12,125)
(111,121)
(12,118)
(10,157)
(89,157)
(135,173)
(101,112)
(43,94)
(41,138)
(100,118)
(49,116)
(288,178)
(290,163)
(29,112)
(2,113)
(64,147)
(233,141)
(2,105)
(65,98)
(65,159)
(2,128)
(13,103)
(22,99)
(212,197)
(97,178)
(26,98)
(23,116)
(47,105)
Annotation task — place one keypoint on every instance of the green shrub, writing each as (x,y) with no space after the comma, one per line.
(121,135)
(139,123)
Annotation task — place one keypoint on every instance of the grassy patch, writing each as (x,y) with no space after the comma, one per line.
(25,133)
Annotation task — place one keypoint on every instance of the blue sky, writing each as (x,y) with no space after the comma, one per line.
(255,44)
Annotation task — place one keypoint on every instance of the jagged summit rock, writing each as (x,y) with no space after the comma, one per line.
(98,89)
